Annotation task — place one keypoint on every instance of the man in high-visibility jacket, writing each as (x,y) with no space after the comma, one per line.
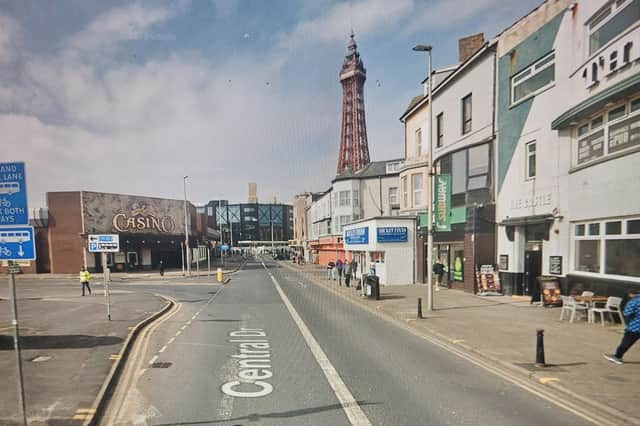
(84,279)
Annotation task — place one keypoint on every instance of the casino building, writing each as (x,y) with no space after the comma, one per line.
(150,229)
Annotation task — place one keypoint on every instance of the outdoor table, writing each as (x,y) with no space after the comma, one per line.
(591,301)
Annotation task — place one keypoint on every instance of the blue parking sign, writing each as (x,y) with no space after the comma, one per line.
(13,195)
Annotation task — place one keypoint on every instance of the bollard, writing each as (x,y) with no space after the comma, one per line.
(220,275)
(420,307)
(540,348)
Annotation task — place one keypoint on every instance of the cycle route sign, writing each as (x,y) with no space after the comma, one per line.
(17,239)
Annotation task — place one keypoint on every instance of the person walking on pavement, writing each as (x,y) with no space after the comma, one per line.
(438,270)
(161,268)
(330,267)
(84,279)
(347,273)
(340,268)
(632,330)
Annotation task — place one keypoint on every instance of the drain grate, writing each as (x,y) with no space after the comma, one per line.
(161,364)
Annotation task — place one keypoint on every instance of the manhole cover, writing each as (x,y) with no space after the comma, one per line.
(41,358)
(161,364)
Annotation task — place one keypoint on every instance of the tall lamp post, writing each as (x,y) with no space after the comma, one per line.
(428,48)
(186,227)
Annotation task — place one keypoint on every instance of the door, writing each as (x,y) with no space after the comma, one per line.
(533,269)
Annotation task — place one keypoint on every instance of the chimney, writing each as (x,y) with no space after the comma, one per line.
(253,193)
(468,45)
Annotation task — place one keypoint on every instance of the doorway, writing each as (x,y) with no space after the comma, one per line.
(532,270)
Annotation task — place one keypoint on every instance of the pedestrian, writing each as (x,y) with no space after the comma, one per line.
(347,273)
(330,267)
(631,315)
(354,269)
(161,268)
(84,279)
(339,267)
(438,270)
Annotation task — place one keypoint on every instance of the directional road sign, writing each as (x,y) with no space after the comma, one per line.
(104,243)
(13,195)
(17,243)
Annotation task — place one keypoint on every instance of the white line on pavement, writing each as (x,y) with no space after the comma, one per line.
(183,327)
(189,322)
(141,372)
(154,359)
(349,404)
(178,333)
(171,340)
(162,349)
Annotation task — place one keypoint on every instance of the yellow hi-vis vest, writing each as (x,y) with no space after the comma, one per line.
(84,276)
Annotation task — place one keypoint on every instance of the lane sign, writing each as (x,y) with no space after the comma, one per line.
(17,243)
(99,243)
(13,195)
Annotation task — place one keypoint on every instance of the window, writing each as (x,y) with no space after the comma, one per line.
(466,114)
(534,79)
(610,21)
(614,252)
(405,194)
(530,165)
(416,183)
(596,138)
(418,142)
(458,172)
(356,198)
(393,196)
(394,166)
(439,130)
(478,170)
(344,198)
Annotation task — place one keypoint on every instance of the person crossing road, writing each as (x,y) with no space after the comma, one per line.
(85,277)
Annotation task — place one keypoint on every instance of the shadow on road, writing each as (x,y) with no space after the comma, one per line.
(70,341)
(255,417)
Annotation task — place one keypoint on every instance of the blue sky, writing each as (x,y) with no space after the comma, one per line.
(128,97)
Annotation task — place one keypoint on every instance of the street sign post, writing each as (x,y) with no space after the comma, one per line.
(104,243)
(16,243)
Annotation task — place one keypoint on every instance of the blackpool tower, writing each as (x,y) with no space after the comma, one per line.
(354,148)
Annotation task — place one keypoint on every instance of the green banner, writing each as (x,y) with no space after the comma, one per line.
(443,203)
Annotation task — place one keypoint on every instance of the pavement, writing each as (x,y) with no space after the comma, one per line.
(502,329)
(66,343)
(314,358)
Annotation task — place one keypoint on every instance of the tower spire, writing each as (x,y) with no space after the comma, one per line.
(354,147)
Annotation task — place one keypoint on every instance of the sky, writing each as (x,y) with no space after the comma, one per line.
(129,97)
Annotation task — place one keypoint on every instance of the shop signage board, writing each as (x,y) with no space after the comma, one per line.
(13,195)
(555,265)
(17,243)
(357,236)
(443,203)
(392,234)
(504,262)
(99,243)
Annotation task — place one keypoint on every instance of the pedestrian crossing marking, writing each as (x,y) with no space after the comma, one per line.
(84,414)
(545,380)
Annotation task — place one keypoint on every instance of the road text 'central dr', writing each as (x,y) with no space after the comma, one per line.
(255,364)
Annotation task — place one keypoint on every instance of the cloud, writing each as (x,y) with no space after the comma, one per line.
(9,35)
(364,16)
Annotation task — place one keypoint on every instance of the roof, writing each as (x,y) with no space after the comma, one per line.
(414,102)
(373,169)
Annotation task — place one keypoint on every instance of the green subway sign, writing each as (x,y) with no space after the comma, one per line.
(443,202)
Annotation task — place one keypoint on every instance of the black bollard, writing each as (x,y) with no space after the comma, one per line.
(540,348)
(420,307)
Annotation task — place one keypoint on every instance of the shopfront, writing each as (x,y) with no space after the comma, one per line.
(385,247)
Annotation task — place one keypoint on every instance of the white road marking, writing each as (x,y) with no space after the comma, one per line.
(183,327)
(154,359)
(178,333)
(162,349)
(349,404)
(189,322)
(194,317)
(141,372)
(171,340)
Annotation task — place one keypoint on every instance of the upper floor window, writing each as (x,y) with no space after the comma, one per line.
(530,164)
(466,114)
(416,183)
(439,130)
(356,198)
(394,166)
(610,21)
(405,193)
(418,140)
(478,167)
(393,196)
(611,131)
(344,198)
(534,79)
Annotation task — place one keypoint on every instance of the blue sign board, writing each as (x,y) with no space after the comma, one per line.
(356,236)
(17,243)
(224,247)
(13,195)
(392,234)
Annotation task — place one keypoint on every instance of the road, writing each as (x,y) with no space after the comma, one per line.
(313,359)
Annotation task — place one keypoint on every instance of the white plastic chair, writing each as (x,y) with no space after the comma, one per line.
(612,307)
(570,304)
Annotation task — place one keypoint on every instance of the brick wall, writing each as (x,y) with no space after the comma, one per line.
(467,46)
(65,226)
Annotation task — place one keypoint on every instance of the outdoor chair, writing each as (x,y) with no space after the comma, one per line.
(612,307)
(570,304)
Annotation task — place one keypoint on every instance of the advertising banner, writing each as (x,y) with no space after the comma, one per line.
(442,202)
(392,234)
(356,236)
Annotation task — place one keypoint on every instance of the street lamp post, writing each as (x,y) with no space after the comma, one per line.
(186,227)
(428,48)
(220,229)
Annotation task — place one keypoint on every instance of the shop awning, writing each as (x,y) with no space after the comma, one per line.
(527,220)
(595,103)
